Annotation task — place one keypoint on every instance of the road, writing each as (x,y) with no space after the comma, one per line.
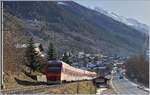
(100,90)
(124,86)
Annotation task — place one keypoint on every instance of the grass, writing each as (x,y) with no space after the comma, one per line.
(85,87)
(10,80)
(20,79)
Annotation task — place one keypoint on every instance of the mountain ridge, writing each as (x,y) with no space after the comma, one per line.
(129,21)
(75,27)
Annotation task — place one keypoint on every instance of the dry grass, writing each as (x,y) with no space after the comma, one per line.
(10,82)
(85,87)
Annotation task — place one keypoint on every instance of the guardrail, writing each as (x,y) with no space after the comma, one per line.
(141,87)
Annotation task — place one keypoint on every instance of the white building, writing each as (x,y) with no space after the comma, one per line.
(37,46)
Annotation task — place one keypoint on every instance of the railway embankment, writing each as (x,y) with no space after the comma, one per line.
(82,87)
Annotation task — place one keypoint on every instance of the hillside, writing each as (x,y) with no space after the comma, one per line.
(74,27)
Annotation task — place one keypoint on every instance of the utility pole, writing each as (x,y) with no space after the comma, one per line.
(78,86)
(1,47)
(90,89)
(95,88)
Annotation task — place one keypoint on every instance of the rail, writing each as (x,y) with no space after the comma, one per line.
(28,89)
(32,88)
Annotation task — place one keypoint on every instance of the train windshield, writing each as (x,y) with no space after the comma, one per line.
(54,69)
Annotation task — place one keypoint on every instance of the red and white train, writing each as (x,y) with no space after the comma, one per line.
(58,72)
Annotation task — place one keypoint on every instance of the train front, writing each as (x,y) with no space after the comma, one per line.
(53,72)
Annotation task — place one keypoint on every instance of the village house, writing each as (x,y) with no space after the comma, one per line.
(37,46)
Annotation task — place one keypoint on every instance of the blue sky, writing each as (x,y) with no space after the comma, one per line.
(137,9)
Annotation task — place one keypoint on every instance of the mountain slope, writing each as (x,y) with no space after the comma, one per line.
(74,27)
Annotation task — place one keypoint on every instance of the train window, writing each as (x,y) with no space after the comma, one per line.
(53,69)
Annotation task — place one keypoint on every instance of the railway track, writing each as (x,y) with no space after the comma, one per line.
(31,89)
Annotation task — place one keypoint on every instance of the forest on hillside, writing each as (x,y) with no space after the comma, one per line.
(138,69)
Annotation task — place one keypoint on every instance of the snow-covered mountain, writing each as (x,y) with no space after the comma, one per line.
(128,21)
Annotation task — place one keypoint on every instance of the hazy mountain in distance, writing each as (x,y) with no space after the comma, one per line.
(128,21)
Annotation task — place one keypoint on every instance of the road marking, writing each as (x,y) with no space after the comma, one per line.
(113,86)
(100,90)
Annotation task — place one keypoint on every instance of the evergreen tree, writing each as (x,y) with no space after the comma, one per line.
(96,58)
(31,56)
(51,54)
(66,58)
